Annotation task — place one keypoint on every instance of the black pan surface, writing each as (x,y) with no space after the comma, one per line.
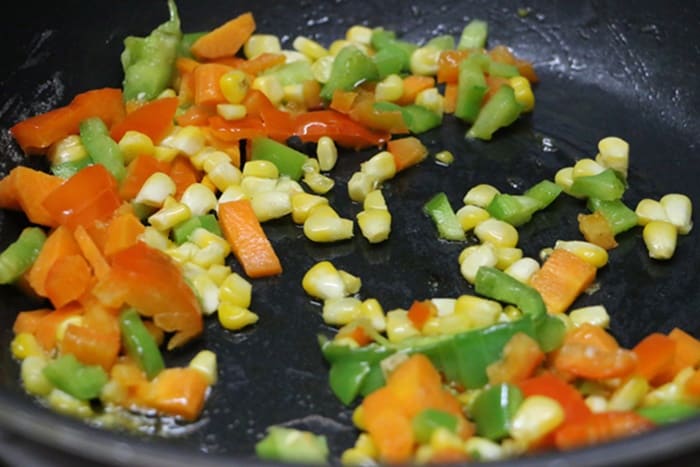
(606,68)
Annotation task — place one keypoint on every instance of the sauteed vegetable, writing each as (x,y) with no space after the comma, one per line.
(154,190)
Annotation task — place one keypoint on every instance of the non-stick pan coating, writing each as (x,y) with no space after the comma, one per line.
(627,69)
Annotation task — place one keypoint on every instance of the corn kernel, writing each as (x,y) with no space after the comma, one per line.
(507,256)
(309,47)
(66,404)
(291,56)
(218,273)
(183,253)
(236,290)
(630,395)
(444,306)
(251,184)
(232,193)
(340,311)
(596,403)
(189,140)
(319,183)
(565,178)
(596,315)
(424,61)
(321,69)
(165,154)
(234,317)
(523,269)
(155,238)
(270,86)
(25,345)
(497,232)
(322,228)
(327,153)
(523,92)
(293,94)
(199,199)
(679,210)
(432,100)
(208,293)
(205,363)
(231,111)
(260,168)
(389,89)
(586,167)
(168,217)
(360,184)
(311,166)
(372,310)
(399,327)
(71,149)
(32,375)
(374,200)
(134,143)
(287,185)
(375,224)
(445,157)
(480,195)
(359,34)
(358,418)
(589,252)
(381,167)
(613,152)
(269,205)
(660,239)
(478,312)
(482,255)
(155,190)
(323,281)
(470,216)
(258,44)
(234,86)
(303,204)
(484,449)
(536,417)
(351,281)
(648,210)
(339,44)
(210,255)
(224,175)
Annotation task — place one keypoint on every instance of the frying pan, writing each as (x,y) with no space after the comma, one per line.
(606,68)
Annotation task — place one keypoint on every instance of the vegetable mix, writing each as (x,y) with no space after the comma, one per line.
(157,192)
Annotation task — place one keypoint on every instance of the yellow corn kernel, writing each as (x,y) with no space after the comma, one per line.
(358,417)
(679,210)
(205,363)
(596,315)
(424,61)
(497,232)
(523,92)
(374,200)
(236,290)
(480,195)
(399,327)
(25,345)
(134,143)
(224,175)
(269,205)
(164,153)
(340,311)
(191,270)
(155,190)
(303,204)
(507,256)
(321,69)
(189,140)
(327,153)
(484,449)
(208,293)
(445,325)
(536,417)
(210,255)
(389,89)
(70,149)
(287,185)
(218,273)
(360,184)
(353,456)
(169,216)
(208,158)
(523,269)
(660,239)
(270,86)
(381,167)
(371,310)
(589,252)
(479,312)
(586,167)
(63,325)
(183,253)
(199,199)
(565,178)
(630,395)
(252,184)
(319,227)
(294,56)
(203,238)
(261,43)
(309,47)
(311,166)
(155,238)
(351,281)
(232,193)
(481,255)
(324,209)
(234,86)
(444,306)
(323,281)
(596,403)
(359,34)
(432,100)
(231,111)
(613,152)
(234,317)
(260,168)
(169,92)
(319,183)
(445,157)
(470,216)
(375,224)
(32,376)
(339,44)
(66,404)
(293,94)
(648,210)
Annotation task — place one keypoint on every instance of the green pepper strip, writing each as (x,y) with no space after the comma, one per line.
(83,382)
(101,148)
(499,112)
(21,254)
(289,162)
(351,68)
(493,409)
(605,186)
(471,87)
(619,216)
(518,209)
(182,231)
(444,217)
(545,192)
(669,412)
(294,446)
(139,343)
(428,420)
(498,285)
(148,62)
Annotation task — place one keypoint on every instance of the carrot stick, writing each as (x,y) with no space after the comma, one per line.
(248,240)
(28,321)
(8,192)
(69,277)
(123,231)
(178,391)
(561,279)
(412,85)
(262,62)
(183,174)
(407,151)
(225,40)
(46,327)
(154,119)
(185,65)
(207,90)
(91,346)
(91,252)
(196,115)
(25,189)
(687,354)
(654,355)
(59,243)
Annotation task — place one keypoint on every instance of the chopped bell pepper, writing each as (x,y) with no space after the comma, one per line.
(604,186)
(418,119)
(289,162)
(351,67)
(620,217)
(428,420)
(21,254)
(498,285)
(182,232)
(294,446)
(69,168)
(498,112)
(471,87)
(139,343)
(444,217)
(473,35)
(493,409)
(83,382)
(670,412)
(101,148)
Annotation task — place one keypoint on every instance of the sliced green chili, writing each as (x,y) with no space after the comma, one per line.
(21,254)
(498,285)
(81,381)
(140,344)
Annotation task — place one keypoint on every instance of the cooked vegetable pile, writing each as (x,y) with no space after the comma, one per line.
(155,189)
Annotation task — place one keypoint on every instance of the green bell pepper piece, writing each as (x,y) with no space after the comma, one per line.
(81,381)
(503,70)
(289,162)
(148,62)
(499,112)
(473,35)
(101,148)
(182,231)
(347,377)
(550,332)
(390,60)
(67,169)
(428,420)
(494,408)
(471,88)
(619,216)
(21,254)
(514,209)
(545,192)
(418,119)
(498,285)
(351,67)
(139,343)
(669,412)
(443,42)
(283,444)
(291,73)
(604,186)
(438,208)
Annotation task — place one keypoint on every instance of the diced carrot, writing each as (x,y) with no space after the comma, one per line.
(232,149)
(196,115)
(407,151)
(654,355)
(355,331)
(503,54)
(154,119)
(59,243)
(132,382)
(185,90)
(233,62)
(364,112)
(91,346)
(178,391)
(493,84)
(261,63)
(185,65)
(248,240)
(343,101)
(122,232)
(596,229)
(225,40)
(448,65)
(412,85)
(521,357)
(8,192)
(561,279)
(421,311)
(687,354)
(137,172)
(47,326)
(312,94)
(389,427)
(692,385)
(91,251)
(183,174)
(601,427)
(26,189)
(69,277)
(450,98)
(207,90)
(28,321)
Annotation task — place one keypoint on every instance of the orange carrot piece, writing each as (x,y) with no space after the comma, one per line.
(692,385)
(503,54)
(343,101)
(207,90)
(493,84)
(421,311)
(28,321)
(448,65)
(232,149)
(407,151)
(225,40)
(521,357)
(262,62)
(137,172)
(687,354)
(154,119)
(196,115)
(183,174)
(91,251)
(58,244)
(654,355)
(122,232)
(391,430)
(69,277)
(601,427)
(8,192)
(450,101)
(248,240)
(412,85)
(185,65)
(25,189)
(561,279)
(91,346)
(178,391)
(46,327)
